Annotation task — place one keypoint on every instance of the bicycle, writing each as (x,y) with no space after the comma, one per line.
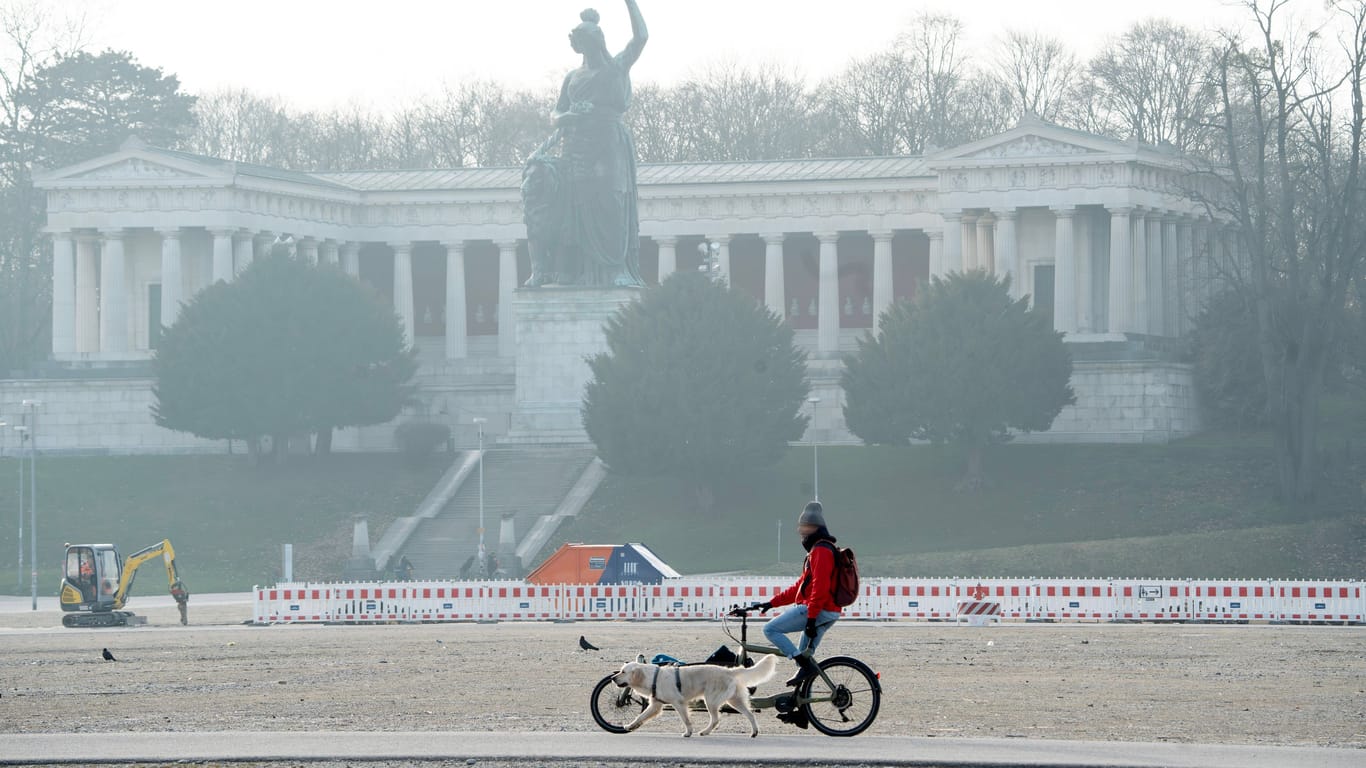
(843,701)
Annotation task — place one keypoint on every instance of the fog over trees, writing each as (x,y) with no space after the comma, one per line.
(1273,120)
(925,90)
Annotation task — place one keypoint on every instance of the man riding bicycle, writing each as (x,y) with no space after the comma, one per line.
(813,609)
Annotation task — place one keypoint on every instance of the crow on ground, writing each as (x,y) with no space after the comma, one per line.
(107,655)
(585,645)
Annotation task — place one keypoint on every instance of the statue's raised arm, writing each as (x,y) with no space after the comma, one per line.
(639,35)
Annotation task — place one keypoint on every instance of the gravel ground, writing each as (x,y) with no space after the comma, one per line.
(1256,684)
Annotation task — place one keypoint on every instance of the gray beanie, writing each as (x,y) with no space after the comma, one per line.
(812,514)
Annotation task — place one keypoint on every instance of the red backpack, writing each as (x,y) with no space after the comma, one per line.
(845,578)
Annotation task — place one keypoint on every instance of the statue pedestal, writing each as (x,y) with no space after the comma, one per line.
(557,330)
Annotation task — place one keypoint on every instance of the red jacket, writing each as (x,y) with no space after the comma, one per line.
(816,587)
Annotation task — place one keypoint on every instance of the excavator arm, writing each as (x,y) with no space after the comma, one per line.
(166,552)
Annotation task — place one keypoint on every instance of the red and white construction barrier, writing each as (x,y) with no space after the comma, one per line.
(1164,600)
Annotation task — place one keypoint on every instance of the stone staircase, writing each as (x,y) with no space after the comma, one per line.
(531,482)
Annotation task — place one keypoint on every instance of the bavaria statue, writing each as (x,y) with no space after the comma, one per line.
(579,187)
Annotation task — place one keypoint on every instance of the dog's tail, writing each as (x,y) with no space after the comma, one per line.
(759,673)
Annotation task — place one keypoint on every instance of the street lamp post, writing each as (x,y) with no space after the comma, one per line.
(815,454)
(32,406)
(21,506)
(22,431)
(483,561)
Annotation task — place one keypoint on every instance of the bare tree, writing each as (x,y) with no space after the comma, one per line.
(1156,83)
(660,120)
(1040,75)
(236,124)
(871,105)
(31,39)
(1292,120)
(746,113)
(918,94)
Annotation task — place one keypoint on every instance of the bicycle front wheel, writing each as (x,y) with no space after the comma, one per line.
(613,708)
(849,703)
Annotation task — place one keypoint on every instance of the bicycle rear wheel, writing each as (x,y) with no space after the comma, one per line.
(848,708)
(614,707)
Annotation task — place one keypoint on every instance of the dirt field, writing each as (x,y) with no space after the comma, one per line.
(1183,683)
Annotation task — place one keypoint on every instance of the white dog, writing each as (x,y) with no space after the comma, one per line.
(680,685)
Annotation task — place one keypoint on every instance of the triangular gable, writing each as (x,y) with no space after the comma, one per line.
(133,161)
(1033,138)
(134,168)
(649,556)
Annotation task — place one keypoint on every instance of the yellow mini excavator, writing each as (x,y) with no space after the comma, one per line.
(96,583)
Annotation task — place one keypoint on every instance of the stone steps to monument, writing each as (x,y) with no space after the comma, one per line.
(528,482)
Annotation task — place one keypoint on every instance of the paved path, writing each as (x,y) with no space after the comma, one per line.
(95,748)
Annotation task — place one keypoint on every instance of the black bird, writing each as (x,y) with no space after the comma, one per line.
(587,646)
(107,655)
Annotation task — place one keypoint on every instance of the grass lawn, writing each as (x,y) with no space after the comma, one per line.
(1203,509)
(1200,508)
(226,518)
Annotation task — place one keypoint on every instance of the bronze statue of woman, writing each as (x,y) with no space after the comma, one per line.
(599,232)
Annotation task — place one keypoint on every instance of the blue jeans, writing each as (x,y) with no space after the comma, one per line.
(793,619)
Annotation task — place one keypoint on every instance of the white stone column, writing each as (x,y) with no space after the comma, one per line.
(775,287)
(63,296)
(936,252)
(1121,271)
(828,298)
(350,258)
(456,330)
(87,296)
(329,252)
(1064,270)
(953,242)
(722,256)
(222,254)
(1153,275)
(260,245)
(507,283)
(1171,285)
(986,258)
(668,257)
(1086,261)
(308,251)
(1187,300)
(969,239)
(882,273)
(1138,318)
(403,289)
(1006,248)
(172,277)
(113,294)
(243,247)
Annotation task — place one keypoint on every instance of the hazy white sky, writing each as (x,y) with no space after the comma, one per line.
(319,53)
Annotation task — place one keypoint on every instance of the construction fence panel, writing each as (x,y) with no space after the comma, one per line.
(1219,601)
(598,601)
(1151,600)
(1319,601)
(678,600)
(447,601)
(1073,600)
(294,602)
(921,599)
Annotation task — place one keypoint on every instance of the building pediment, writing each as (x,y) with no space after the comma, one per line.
(133,163)
(134,168)
(1034,139)
(1031,145)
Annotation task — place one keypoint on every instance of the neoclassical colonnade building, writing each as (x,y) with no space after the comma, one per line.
(1098,232)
